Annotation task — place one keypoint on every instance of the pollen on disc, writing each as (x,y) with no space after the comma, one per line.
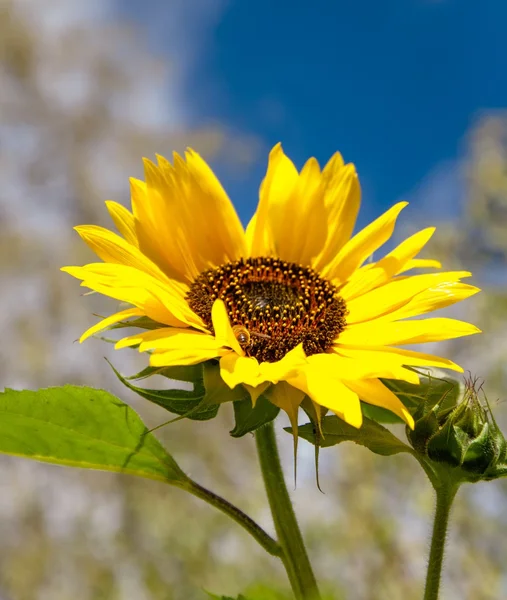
(273,305)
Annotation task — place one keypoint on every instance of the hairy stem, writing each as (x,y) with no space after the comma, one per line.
(444,497)
(265,540)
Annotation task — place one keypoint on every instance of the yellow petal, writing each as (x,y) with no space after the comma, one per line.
(139,200)
(420,263)
(346,365)
(236,369)
(395,260)
(220,220)
(224,334)
(302,242)
(111,248)
(165,205)
(154,337)
(250,232)
(175,339)
(396,294)
(284,368)
(327,203)
(124,221)
(184,217)
(375,392)
(183,357)
(154,235)
(334,165)
(112,320)
(174,347)
(388,360)
(275,194)
(329,392)
(379,333)
(162,302)
(438,296)
(364,280)
(363,245)
(342,198)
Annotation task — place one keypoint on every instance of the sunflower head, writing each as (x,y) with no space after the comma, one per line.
(272,305)
(290,309)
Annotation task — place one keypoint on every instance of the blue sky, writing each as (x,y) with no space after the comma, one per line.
(393,84)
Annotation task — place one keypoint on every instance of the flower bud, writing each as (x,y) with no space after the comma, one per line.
(463,438)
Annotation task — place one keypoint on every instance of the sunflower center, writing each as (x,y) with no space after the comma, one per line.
(273,306)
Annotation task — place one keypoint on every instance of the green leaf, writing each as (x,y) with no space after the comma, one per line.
(379,414)
(430,391)
(256,592)
(371,435)
(188,403)
(250,418)
(82,427)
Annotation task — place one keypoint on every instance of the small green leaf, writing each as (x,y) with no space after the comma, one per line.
(188,403)
(82,427)
(250,418)
(371,435)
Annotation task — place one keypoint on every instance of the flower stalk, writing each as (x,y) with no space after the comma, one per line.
(294,556)
(445,494)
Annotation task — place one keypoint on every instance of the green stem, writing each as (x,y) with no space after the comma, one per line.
(294,557)
(265,540)
(444,496)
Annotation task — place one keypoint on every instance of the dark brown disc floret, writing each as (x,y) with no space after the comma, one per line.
(273,306)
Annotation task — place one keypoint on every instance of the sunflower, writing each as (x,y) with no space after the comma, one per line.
(290,307)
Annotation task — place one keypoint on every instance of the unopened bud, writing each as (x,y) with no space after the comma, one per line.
(463,437)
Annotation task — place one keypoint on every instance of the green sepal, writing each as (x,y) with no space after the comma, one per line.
(372,435)
(448,445)
(310,408)
(481,452)
(419,398)
(188,373)
(426,426)
(379,414)
(430,391)
(248,418)
(140,323)
(186,403)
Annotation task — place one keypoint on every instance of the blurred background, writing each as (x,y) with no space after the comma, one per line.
(414,92)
